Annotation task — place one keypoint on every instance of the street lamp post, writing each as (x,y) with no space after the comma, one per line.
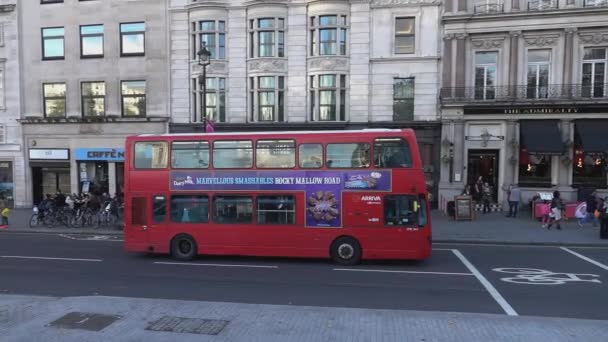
(204,60)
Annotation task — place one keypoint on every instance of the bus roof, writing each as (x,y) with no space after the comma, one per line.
(367,130)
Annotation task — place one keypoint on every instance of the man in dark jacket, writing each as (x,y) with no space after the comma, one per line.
(591,207)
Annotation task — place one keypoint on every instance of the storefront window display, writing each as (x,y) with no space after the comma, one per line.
(6,182)
(93,177)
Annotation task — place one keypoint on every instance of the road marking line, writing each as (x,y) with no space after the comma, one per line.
(442,249)
(399,271)
(213,265)
(47,258)
(514,246)
(107,238)
(596,263)
(491,289)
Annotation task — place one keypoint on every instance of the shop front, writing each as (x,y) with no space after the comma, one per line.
(538,148)
(50,171)
(100,170)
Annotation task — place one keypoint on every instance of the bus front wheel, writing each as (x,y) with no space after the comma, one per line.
(346,251)
(183,247)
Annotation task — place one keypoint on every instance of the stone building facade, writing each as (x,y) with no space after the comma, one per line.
(302,65)
(524,96)
(92,73)
(12,180)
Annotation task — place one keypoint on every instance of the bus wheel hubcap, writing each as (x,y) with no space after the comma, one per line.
(185,246)
(346,251)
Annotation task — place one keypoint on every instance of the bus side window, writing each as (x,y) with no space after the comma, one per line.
(392,153)
(151,155)
(190,208)
(311,156)
(400,210)
(159,209)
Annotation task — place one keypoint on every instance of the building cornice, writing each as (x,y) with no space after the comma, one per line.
(566,12)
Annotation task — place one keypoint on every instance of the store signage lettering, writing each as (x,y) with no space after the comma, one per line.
(101,154)
(540,110)
(105,155)
(534,110)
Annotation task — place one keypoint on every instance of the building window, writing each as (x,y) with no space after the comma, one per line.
(267,96)
(91,41)
(328,97)
(328,35)
(405,35)
(93,98)
(54,99)
(50,1)
(403,99)
(534,169)
(594,72)
(485,75)
(132,39)
(542,5)
(539,64)
(53,43)
(133,98)
(211,33)
(267,37)
(216,99)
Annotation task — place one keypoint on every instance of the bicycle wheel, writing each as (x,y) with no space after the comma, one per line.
(34,221)
(50,221)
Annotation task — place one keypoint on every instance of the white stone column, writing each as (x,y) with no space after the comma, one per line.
(296,48)
(236,95)
(359,64)
(111,178)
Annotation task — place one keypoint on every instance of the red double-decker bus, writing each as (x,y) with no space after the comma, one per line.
(348,195)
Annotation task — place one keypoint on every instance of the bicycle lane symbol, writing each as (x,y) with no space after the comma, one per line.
(535,276)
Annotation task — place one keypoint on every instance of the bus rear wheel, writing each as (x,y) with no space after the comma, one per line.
(346,251)
(183,247)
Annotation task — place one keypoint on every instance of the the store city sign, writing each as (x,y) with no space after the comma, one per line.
(527,110)
(101,154)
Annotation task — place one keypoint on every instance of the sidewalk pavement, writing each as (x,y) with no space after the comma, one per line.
(490,228)
(497,228)
(20,218)
(27,318)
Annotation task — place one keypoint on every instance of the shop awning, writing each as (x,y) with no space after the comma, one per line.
(541,136)
(592,135)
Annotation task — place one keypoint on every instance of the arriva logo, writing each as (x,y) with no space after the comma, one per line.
(370,198)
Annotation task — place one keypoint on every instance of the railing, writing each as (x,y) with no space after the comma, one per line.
(542,5)
(595,3)
(496,7)
(526,93)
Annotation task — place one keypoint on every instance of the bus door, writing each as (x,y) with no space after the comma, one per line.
(137,228)
(157,227)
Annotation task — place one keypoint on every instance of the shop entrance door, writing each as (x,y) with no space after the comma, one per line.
(49,180)
(484,163)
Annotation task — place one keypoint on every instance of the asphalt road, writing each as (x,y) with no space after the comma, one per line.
(511,280)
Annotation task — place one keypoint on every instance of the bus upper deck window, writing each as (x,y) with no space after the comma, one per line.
(392,153)
(190,155)
(355,155)
(311,156)
(151,155)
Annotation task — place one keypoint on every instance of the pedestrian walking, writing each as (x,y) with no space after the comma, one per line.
(478,190)
(604,222)
(513,197)
(486,197)
(5,213)
(556,211)
(591,204)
